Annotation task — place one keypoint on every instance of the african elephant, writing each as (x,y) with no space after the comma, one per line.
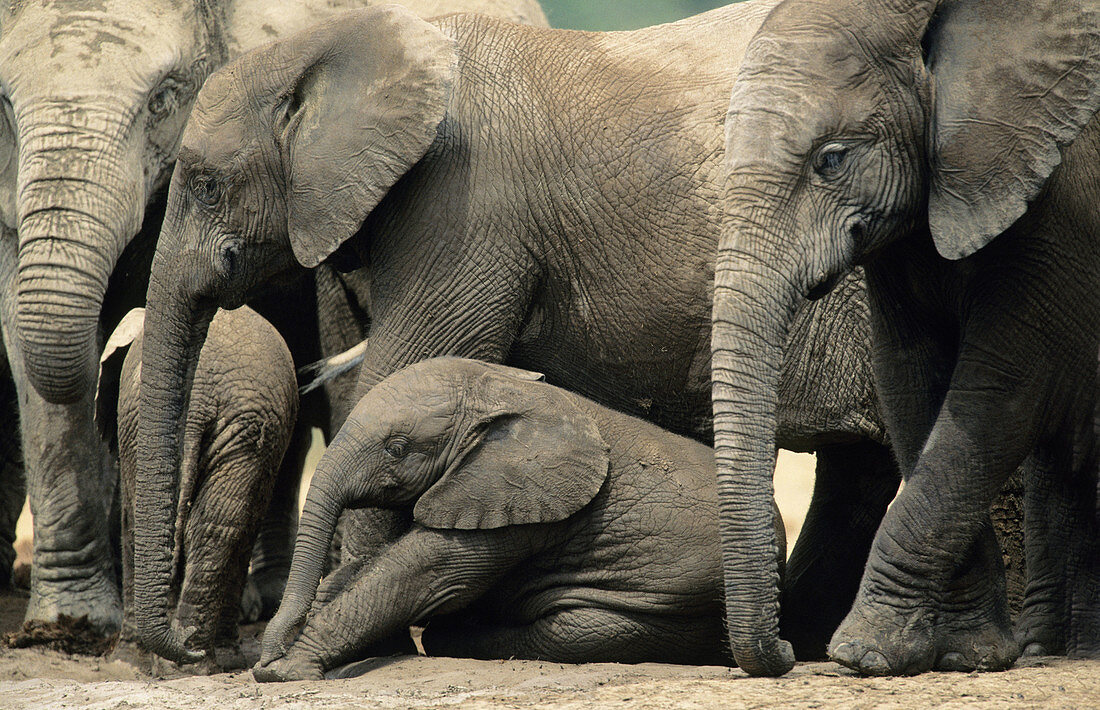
(93,102)
(511,206)
(569,531)
(950,148)
(244,403)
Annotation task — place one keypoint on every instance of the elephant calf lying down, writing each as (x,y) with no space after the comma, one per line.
(244,403)
(541,525)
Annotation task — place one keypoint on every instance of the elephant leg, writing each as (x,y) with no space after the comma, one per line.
(424,573)
(70,482)
(852,489)
(1041,629)
(1062,604)
(932,593)
(585,635)
(13,489)
(274,546)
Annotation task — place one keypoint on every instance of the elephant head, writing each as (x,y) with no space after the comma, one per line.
(287,151)
(466,445)
(852,124)
(94,99)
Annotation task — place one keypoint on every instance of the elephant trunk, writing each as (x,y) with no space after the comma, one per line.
(750,321)
(80,200)
(175,329)
(316,527)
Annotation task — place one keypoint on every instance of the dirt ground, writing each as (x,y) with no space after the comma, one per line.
(48,680)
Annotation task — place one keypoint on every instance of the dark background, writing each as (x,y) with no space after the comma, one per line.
(622,14)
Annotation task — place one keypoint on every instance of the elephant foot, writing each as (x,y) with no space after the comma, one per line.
(286,668)
(229,657)
(95,597)
(164,668)
(881,639)
(133,654)
(1039,633)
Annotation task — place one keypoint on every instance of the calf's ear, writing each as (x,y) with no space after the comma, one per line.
(533,457)
(1015,83)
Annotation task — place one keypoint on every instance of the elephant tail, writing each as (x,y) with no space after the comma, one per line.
(312,376)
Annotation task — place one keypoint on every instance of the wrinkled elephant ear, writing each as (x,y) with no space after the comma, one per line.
(1015,82)
(367,91)
(533,457)
(129,330)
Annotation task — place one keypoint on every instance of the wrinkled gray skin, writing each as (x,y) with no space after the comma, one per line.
(244,403)
(562,530)
(956,157)
(534,197)
(93,99)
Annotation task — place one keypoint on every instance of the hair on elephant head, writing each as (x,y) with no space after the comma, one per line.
(465,445)
(846,120)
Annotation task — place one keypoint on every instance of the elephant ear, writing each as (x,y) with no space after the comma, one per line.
(250,23)
(369,90)
(128,331)
(533,457)
(1015,82)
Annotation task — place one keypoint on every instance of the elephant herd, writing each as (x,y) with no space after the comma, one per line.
(543,271)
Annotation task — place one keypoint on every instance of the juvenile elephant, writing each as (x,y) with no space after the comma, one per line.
(562,530)
(520,195)
(94,99)
(952,149)
(242,411)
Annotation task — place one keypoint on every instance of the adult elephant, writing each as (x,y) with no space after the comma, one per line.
(951,148)
(94,99)
(528,196)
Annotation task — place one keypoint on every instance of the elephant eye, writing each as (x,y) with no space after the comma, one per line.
(830,159)
(205,189)
(163,98)
(397,447)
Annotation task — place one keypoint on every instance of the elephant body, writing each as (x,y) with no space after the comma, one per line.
(951,149)
(536,197)
(95,98)
(543,525)
(244,404)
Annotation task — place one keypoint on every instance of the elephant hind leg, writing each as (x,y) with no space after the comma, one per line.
(852,489)
(585,635)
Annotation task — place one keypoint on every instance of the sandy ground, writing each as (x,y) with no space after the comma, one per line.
(38,679)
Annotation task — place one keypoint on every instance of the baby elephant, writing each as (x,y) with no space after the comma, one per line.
(244,404)
(541,525)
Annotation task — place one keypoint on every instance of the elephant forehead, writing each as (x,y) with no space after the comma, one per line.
(110,41)
(217,127)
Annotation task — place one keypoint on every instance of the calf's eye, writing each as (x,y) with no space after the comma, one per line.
(397,447)
(830,159)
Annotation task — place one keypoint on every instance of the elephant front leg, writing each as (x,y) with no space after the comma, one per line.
(932,595)
(70,482)
(426,572)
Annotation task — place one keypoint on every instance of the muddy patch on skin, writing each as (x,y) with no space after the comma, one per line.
(66,635)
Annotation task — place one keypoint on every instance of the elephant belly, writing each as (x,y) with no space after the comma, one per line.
(661,377)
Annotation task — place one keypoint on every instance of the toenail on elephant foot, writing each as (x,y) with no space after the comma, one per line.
(1035,649)
(283,669)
